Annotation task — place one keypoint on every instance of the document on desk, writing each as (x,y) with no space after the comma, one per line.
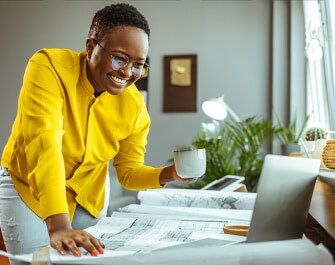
(147,235)
(204,252)
(209,214)
(140,233)
(132,234)
(198,198)
(210,251)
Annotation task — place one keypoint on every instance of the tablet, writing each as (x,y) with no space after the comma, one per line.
(226,183)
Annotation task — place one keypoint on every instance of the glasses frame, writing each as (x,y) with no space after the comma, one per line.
(145,65)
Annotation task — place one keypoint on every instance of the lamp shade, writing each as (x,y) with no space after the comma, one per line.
(215,108)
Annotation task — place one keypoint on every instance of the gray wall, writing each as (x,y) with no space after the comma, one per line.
(231,39)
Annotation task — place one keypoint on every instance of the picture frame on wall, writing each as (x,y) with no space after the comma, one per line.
(180,83)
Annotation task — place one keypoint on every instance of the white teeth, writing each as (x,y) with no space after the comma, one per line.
(118,80)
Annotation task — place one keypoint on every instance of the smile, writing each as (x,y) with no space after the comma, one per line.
(117,80)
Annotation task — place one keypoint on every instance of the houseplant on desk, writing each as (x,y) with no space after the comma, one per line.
(312,135)
(290,135)
(238,149)
(316,140)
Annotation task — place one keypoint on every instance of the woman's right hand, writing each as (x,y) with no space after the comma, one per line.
(63,238)
(70,240)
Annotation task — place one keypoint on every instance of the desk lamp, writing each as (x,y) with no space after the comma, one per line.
(217,109)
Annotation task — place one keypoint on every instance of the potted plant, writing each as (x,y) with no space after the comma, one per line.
(312,135)
(290,135)
(251,136)
(239,149)
(315,141)
(315,133)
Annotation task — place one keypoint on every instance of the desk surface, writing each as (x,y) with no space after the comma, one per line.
(320,225)
(323,206)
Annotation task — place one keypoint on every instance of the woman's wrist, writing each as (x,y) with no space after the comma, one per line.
(167,175)
(58,222)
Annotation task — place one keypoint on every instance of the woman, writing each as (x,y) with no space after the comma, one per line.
(76,112)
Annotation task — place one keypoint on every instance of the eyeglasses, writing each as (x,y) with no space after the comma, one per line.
(119,62)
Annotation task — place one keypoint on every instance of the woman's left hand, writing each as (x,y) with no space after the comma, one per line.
(169,174)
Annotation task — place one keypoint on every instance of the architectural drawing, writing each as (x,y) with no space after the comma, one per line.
(145,233)
(198,198)
(187,213)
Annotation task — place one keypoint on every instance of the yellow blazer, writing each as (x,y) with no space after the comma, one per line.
(63,137)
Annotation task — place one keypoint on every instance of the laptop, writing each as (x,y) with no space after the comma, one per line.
(284,195)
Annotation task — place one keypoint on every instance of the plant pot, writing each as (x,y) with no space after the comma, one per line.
(310,145)
(318,150)
(287,149)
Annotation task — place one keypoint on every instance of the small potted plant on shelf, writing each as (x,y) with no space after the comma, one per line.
(312,135)
(315,141)
(315,133)
(290,135)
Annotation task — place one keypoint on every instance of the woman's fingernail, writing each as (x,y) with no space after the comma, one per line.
(77,253)
(62,252)
(101,251)
(95,253)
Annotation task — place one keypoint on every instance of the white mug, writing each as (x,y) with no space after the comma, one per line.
(190,163)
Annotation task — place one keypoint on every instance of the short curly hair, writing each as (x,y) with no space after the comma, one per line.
(115,15)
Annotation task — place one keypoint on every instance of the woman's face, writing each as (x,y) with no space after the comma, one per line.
(121,43)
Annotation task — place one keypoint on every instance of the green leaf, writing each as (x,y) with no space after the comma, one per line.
(289,134)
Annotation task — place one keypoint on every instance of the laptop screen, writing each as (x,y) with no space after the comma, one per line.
(284,195)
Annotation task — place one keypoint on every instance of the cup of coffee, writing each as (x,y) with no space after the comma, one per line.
(190,163)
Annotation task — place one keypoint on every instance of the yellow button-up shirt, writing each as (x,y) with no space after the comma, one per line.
(63,137)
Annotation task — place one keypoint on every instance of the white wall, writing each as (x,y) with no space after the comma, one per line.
(231,39)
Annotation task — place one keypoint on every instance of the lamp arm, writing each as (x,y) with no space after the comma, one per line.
(232,113)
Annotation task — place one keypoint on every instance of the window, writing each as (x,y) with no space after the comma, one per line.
(319,49)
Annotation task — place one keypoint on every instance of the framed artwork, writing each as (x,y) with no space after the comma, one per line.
(180,83)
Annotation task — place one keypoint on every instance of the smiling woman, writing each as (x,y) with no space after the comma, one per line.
(77,112)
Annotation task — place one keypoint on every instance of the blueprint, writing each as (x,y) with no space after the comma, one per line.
(141,233)
(146,234)
(187,213)
(198,198)
(209,251)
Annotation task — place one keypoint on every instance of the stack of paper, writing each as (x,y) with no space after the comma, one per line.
(210,251)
